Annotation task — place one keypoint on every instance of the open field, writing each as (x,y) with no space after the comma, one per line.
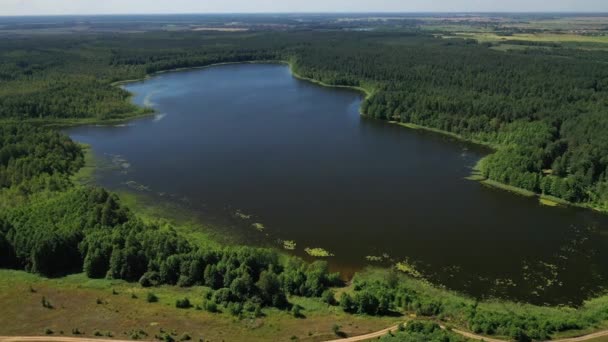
(91,308)
(535,37)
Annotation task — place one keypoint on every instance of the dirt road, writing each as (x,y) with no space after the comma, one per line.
(365,337)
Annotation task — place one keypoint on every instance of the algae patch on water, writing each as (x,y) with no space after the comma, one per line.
(289,245)
(551,201)
(137,186)
(547,202)
(377,258)
(241,215)
(406,267)
(318,252)
(258,226)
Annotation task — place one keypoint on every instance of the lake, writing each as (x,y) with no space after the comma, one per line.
(269,158)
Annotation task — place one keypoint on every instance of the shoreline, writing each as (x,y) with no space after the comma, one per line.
(367,93)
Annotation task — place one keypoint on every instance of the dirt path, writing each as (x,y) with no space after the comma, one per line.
(462,333)
(365,337)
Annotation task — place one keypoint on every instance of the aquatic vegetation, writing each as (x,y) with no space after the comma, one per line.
(548,202)
(239,214)
(258,226)
(289,245)
(139,187)
(373,258)
(318,252)
(408,268)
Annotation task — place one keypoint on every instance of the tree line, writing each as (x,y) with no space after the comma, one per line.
(543,109)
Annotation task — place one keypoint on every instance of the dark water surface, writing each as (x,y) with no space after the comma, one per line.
(300,160)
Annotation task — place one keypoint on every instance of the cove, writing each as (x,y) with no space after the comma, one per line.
(272,158)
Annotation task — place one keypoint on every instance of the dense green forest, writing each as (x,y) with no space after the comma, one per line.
(74,229)
(56,230)
(544,110)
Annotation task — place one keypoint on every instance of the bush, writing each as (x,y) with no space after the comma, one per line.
(329,297)
(149,279)
(48,331)
(183,303)
(151,298)
(185,337)
(211,306)
(296,311)
(336,330)
(346,302)
(235,309)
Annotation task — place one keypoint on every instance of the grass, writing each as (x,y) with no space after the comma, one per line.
(534,37)
(453,304)
(87,171)
(123,309)
(548,202)
(70,122)
(512,189)
(166,213)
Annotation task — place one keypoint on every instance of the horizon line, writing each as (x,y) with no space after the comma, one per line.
(586,12)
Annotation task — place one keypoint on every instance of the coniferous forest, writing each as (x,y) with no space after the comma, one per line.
(544,112)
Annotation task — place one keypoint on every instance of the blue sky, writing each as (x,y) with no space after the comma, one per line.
(38,7)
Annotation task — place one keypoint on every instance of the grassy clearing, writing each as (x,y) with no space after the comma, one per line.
(63,123)
(172,214)
(512,189)
(122,309)
(86,172)
(534,37)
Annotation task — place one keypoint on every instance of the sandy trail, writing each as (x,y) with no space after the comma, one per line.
(365,337)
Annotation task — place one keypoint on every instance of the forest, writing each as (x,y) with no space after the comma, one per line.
(542,110)
(543,113)
(69,229)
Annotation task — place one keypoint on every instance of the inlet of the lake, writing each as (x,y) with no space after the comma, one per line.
(270,158)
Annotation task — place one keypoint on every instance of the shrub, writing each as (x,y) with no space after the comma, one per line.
(336,329)
(329,297)
(346,302)
(211,306)
(296,311)
(183,303)
(151,298)
(48,331)
(149,279)
(235,309)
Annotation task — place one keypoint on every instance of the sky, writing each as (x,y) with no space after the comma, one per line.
(59,7)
